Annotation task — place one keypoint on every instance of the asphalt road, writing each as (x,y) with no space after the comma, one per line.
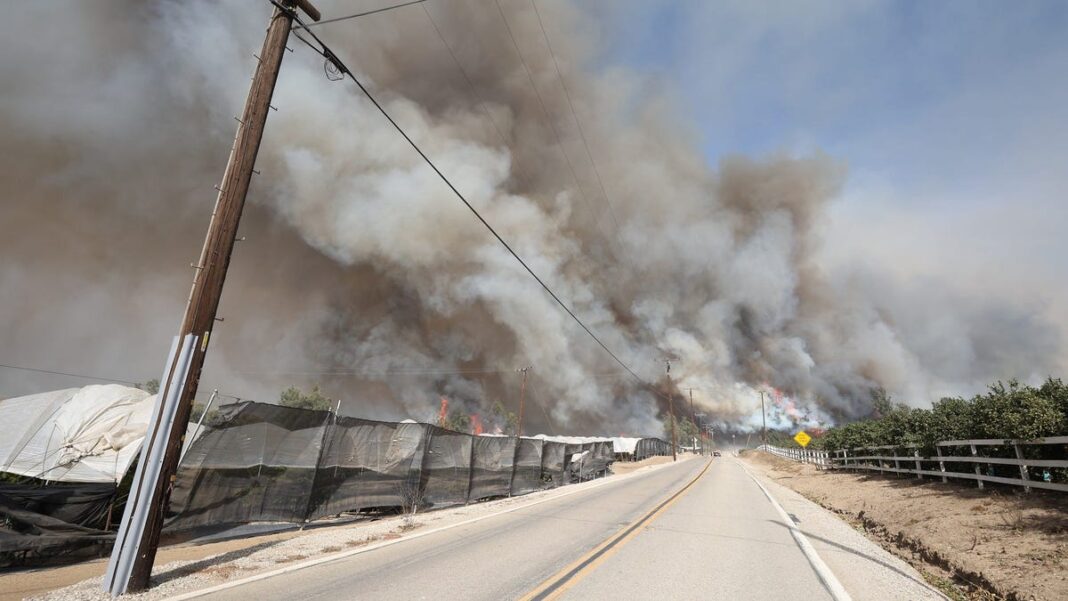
(692,530)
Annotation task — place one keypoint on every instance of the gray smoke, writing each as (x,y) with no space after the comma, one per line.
(363,273)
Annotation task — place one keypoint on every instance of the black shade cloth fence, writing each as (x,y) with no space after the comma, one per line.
(262,462)
(43,522)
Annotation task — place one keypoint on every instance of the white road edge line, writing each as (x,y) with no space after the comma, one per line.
(830,581)
(345,554)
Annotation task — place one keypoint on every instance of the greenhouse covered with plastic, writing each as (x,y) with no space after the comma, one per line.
(68,452)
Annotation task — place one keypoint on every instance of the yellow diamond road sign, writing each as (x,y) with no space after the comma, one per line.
(802,438)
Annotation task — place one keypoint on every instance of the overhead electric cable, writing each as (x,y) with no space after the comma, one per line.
(363,14)
(571,106)
(474,93)
(548,420)
(83,376)
(329,55)
(549,120)
(62,373)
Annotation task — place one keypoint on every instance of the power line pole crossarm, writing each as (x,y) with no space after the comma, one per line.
(208,279)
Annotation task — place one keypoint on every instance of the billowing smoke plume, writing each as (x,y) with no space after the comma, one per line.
(361,271)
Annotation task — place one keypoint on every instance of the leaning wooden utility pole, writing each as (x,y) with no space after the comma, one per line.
(671,411)
(522,396)
(137,540)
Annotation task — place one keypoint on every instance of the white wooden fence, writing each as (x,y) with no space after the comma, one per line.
(906,459)
(821,459)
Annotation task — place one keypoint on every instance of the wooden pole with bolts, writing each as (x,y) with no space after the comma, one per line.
(210,273)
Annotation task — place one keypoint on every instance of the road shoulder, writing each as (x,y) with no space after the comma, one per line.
(971,544)
(865,569)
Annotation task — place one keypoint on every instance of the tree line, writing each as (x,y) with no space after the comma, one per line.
(1005,410)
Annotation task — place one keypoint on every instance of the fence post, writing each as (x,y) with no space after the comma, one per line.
(897,464)
(941,464)
(916,454)
(978,472)
(1023,468)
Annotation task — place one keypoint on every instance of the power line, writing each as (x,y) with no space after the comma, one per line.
(329,55)
(363,14)
(88,377)
(544,411)
(571,107)
(471,87)
(62,373)
(549,120)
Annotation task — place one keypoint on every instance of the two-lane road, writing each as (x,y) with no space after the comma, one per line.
(686,531)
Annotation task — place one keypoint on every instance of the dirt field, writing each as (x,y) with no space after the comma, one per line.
(991,543)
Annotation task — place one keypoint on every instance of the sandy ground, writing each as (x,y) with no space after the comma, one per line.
(628,467)
(181,568)
(991,543)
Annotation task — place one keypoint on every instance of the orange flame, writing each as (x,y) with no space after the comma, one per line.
(444,410)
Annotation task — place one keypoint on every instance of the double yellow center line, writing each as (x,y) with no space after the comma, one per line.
(561,581)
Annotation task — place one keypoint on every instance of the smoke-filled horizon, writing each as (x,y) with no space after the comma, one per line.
(363,273)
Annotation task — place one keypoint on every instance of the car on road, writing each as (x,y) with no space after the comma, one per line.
(716,454)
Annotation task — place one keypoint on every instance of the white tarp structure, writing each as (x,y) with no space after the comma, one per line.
(619,444)
(89,434)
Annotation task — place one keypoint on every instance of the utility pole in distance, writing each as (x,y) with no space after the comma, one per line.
(693,416)
(131,563)
(671,411)
(522,396)
(763,420)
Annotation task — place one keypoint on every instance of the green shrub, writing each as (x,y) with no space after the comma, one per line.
(1006,410)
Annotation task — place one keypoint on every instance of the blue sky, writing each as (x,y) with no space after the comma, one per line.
(836,75)
(951,118)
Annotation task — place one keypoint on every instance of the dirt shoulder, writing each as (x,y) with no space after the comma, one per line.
(626,467)
(995,543)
